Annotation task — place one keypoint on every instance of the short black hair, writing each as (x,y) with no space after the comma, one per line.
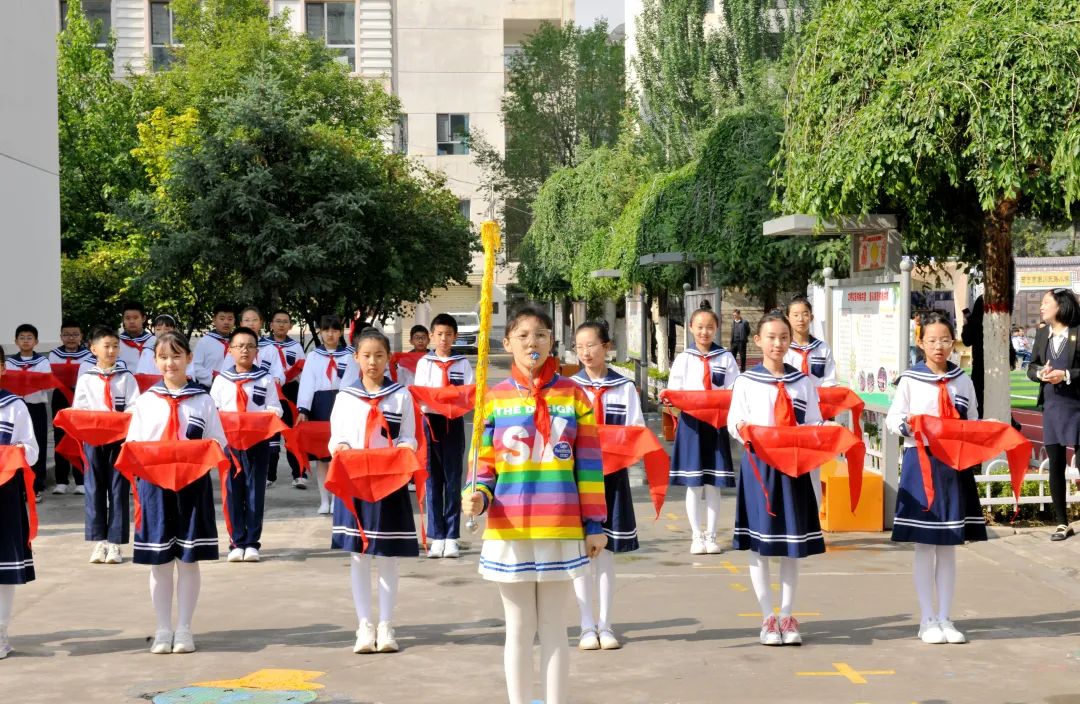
(3,356)
(529,312)
(359,329)
(224,308)
(132,305)
(936,317)
(70,323)
(281,311)
(444,319)
(258,312)
(598,326)
(418,328)
(243,331)
(1068,306)
(100,332)
(371,333)
(773,317)
(26,327)
(799,300)
(331,322)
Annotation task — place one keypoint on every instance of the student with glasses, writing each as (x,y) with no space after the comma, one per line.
(1055,364)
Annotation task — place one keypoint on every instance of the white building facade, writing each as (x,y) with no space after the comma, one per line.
(444,59)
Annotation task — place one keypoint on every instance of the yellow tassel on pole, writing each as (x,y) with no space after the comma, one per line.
(490,238)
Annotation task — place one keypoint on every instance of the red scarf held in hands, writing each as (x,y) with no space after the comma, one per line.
(308,438)
(407,360)
(707,406)
(23,382)
(450,401)
(834,400)
(244,430)
(94,428)
(536,386)
(623,445)
(12,459)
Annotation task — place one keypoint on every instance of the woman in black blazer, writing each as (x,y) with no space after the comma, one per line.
(1055,364)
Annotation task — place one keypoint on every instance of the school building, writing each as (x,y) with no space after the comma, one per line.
(444,59)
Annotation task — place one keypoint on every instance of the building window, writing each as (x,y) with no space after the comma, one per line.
(161,34)
(465,208)
(710,6)
(509,52)
(401,135)
(95,11)
(451,132)
(334,23)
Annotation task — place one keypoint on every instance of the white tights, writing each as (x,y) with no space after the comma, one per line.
(321,470)
(188,582)
(935,565)
(361,586)
(694,495)
(789,581)
(7,604)
(532,607)
(600,576)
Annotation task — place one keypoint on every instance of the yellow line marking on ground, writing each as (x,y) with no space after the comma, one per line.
(674,528)
(775,586)
(844,670)
(726,564)
(671,516)
(270,679)
(738,587)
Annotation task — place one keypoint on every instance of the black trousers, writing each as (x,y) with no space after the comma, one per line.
(739,350)
(1056,455)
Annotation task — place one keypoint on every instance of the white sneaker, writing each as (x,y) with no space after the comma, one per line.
(951,634)
(80,489)
(324,507)
(5,644)
(112,555)
(60,489)
(183,642)
(365,638)
(770,632)
(39,497)
(697,545)
(387,642)
(436,549)
(588,640)
(711,546)
(98,554)
(269,483)
(608,641)
(930,632)
(451,549)
(789,630)
(236,555)
(299,483)
(163,643)
(251,555)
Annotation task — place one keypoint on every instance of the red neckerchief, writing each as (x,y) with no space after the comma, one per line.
(536,386)
(241,395)
(445,367)
(331,369)
(598,403)
(132,343)
(945,406)
(172,428)
(108,390)
(376,421)
(783,411)
(706,379)
(805,367)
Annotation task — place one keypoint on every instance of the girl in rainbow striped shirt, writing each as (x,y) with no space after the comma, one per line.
(541,481)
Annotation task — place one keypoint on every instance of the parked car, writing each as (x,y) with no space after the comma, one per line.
(468,329)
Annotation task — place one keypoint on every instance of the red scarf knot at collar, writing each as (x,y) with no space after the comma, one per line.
(797,450)
(376,421)
(241,395)
(962,444)
(783,410)
(445,368)
(537,385)
(805,365)
(598,403)
(946,409)
(107,390)
(172,428)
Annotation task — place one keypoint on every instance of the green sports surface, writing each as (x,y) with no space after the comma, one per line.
(1023,390)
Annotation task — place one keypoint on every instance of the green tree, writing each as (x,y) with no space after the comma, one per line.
(957,115)
(277,208)
(565,89)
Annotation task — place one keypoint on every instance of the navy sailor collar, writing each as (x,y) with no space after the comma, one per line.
(921,372)
(436,358)
(189,389)
(119,368)
(18,361)
(763,376)
(358,390)
(813,344)
(7,398)
(287,342)
(255,374)
(64,354)
(713,351)
(137,338)
(339,352)
(611,378)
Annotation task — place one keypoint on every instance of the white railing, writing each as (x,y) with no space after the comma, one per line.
(1072,496)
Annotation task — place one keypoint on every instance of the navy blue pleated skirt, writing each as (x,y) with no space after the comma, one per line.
(953,518)
(16,559)
(388,525)
(621,524)
(794,530)
(701,455)
(176,524)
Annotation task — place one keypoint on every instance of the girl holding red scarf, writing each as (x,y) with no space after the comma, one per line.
(540,480)
(701,456)
(777,515)
(371,413)
(176,527)
(16,560)
(615,402)
(935,387)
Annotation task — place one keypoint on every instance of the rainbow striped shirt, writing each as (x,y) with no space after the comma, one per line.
(551,490)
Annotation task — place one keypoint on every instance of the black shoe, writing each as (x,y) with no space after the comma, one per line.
(1062,533)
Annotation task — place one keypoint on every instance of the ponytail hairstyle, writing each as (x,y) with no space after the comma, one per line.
(705,309)
(799,300)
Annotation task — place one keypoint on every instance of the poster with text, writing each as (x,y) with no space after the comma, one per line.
(866,340)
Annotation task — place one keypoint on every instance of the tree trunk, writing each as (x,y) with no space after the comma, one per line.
(660,316)
(997,307)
